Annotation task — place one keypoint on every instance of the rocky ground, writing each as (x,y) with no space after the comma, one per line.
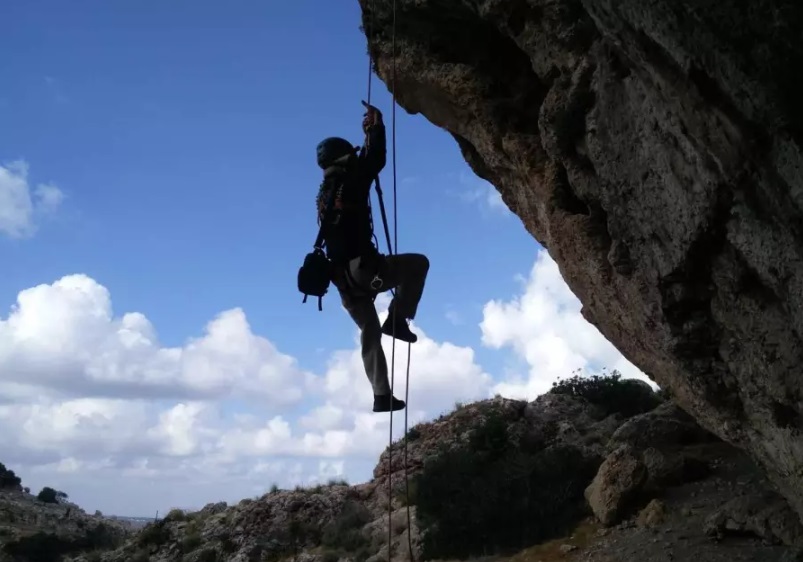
(659,489)
(725,517)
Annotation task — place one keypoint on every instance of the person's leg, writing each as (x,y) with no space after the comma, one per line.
(408,274)
(363,313)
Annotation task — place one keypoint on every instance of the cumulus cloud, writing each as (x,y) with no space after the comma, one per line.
(20,203)
(64,336)
(92,403)
(93,394)
(544,327)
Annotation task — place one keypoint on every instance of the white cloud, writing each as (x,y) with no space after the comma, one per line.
(545,329)
(63,335)
(93,396)
(20,204)
(92,403)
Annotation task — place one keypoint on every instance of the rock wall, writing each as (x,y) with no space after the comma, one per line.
(654,147)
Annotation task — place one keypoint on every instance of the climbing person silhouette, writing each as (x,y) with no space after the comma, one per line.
(360,271)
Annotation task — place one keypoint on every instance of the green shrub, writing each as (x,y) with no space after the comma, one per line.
(47,495)
(610,393)
(227,545)
(39,547)
(8,479)
(412,434)
(401,493)
(155,534)
(176,515)
(493,497)
(190,542)
(300,532)
(208,555)
(330,556)
(141,556)
(345,531)
(102,536)
(47,547)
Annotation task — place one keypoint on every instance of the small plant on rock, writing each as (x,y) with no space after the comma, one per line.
(407,494)
(48,495)
(141,556)
(208,555)
(176,515)
(191,541)
(226,543)
(8,479)
(330,556)
(628,397)
(155,534)
(413,434)
(344,532)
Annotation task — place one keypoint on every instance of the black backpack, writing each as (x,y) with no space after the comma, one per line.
(315,274)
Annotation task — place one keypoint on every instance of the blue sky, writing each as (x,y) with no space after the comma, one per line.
(181,137)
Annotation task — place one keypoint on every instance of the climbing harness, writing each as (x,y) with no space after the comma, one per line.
(390,251)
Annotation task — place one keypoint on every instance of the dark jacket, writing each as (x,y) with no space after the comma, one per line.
(348,231)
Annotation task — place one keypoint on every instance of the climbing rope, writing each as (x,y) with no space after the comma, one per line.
(393,344)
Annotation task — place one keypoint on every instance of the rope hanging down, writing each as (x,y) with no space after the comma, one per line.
(390,251)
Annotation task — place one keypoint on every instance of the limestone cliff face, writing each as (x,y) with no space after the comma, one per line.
(654,147)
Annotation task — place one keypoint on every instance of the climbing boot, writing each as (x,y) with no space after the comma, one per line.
(403,332)
(382,403)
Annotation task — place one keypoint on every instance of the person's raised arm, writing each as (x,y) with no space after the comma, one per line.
(374,154)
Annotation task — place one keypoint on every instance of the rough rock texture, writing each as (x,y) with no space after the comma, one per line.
(674,528)
(763,514)
(620,478)
(654,147)
(649,453)
(652,515)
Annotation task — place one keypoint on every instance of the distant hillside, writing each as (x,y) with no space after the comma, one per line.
(134,522)
(43,527)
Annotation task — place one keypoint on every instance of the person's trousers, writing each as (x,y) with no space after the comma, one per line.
(406,273)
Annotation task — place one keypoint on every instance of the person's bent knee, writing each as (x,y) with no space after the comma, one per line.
(422,263)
